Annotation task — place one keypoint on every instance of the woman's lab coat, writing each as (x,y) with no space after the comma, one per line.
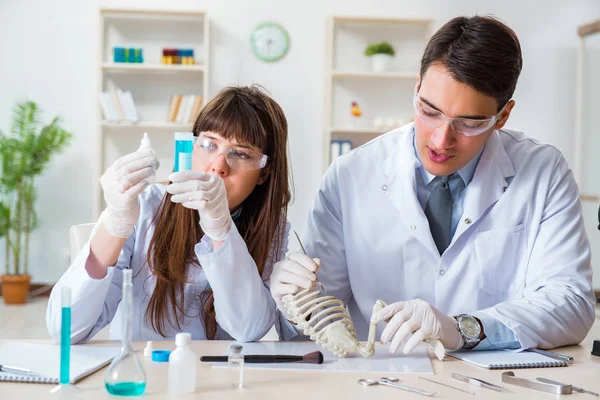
(520,253)
(245,310)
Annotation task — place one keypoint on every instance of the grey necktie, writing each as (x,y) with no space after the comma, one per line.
(439,213)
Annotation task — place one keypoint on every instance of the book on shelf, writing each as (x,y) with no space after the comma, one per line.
(118,106)
(184,109)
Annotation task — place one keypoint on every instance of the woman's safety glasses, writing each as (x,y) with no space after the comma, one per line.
(464,126)
(208,150)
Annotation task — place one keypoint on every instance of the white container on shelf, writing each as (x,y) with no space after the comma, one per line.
(381,62)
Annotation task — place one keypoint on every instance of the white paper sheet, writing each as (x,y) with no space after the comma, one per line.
(382,361)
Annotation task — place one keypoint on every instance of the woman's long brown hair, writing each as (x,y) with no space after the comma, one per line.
(248,115)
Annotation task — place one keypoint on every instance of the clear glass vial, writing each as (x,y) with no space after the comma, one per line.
(235,366)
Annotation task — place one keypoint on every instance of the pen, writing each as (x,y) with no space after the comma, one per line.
(556,356)
(17,370)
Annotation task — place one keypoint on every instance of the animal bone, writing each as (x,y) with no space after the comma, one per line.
(327,322)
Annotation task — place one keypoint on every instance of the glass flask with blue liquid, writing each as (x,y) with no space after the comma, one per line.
(126,376)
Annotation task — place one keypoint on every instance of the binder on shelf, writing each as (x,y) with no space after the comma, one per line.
(196,109)
(339,148)
(114,98)
(184,109)
(174,107)
(118,106)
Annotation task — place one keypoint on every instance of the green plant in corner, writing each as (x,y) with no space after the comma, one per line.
(25,152)
(380,48)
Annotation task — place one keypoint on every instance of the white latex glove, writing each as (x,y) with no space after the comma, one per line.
(289,276)
(121,184)
(206,193)
(420,317)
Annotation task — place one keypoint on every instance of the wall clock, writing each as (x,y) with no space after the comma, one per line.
(269,42)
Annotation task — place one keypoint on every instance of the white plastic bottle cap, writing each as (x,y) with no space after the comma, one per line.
(145,143)
(182,339)
(148,349)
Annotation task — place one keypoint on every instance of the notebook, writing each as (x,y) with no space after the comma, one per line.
(44,359)
(502,359)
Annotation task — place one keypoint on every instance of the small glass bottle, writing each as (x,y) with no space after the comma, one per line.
(182,366)
(235,366)
(126,376)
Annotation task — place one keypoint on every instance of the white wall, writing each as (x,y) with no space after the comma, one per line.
(49,55)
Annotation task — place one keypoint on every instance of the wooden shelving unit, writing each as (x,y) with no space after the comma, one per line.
(349,77)
(151,83)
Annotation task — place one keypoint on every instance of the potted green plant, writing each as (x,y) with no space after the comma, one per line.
(381,54)
(25,152)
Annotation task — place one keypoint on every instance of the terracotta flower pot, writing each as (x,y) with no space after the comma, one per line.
(15,288)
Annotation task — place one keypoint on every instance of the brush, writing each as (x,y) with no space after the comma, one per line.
(316,357)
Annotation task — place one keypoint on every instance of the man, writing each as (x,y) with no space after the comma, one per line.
(472,234)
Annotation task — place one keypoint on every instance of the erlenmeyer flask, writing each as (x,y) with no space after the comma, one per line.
(126,376)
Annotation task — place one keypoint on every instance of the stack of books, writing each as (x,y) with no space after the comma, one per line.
(184,108)
(118,106)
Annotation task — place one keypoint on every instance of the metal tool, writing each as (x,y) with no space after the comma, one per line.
(510,378)
(320,286)
(300,242)
(389,381)
(556,356)
(443,384)
(17,370)
(575,388)
(477,382)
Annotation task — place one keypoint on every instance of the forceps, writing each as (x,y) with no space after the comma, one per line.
(389,381)
(477,382)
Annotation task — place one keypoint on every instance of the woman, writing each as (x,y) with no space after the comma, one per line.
(201,248)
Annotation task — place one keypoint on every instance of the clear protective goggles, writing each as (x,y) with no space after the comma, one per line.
(464,126)
(209,149)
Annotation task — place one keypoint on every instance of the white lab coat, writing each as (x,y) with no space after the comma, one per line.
(520,253)
(245,310)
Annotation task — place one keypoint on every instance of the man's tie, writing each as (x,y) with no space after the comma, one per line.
(439,213)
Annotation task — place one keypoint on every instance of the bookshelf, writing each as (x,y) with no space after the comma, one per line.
(151,83)
(136,68)
(349,77)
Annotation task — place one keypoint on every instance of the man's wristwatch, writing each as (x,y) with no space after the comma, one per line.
(470,329)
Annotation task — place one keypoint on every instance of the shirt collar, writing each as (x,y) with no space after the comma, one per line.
(236,213)
(466,172)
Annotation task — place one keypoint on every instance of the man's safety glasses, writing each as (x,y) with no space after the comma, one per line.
(464,126)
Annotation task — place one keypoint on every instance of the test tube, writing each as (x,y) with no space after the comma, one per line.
(65,336)
(184,144)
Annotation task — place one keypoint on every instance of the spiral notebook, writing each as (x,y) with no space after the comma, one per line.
(44,360)
(502,359)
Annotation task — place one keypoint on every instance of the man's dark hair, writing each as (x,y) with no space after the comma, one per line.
(480,52)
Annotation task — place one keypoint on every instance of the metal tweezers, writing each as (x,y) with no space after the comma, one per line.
(477,382)
(510,378)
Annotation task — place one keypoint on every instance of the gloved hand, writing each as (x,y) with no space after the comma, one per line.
(420,317)
(121,184)
(206,193)
(289,276)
